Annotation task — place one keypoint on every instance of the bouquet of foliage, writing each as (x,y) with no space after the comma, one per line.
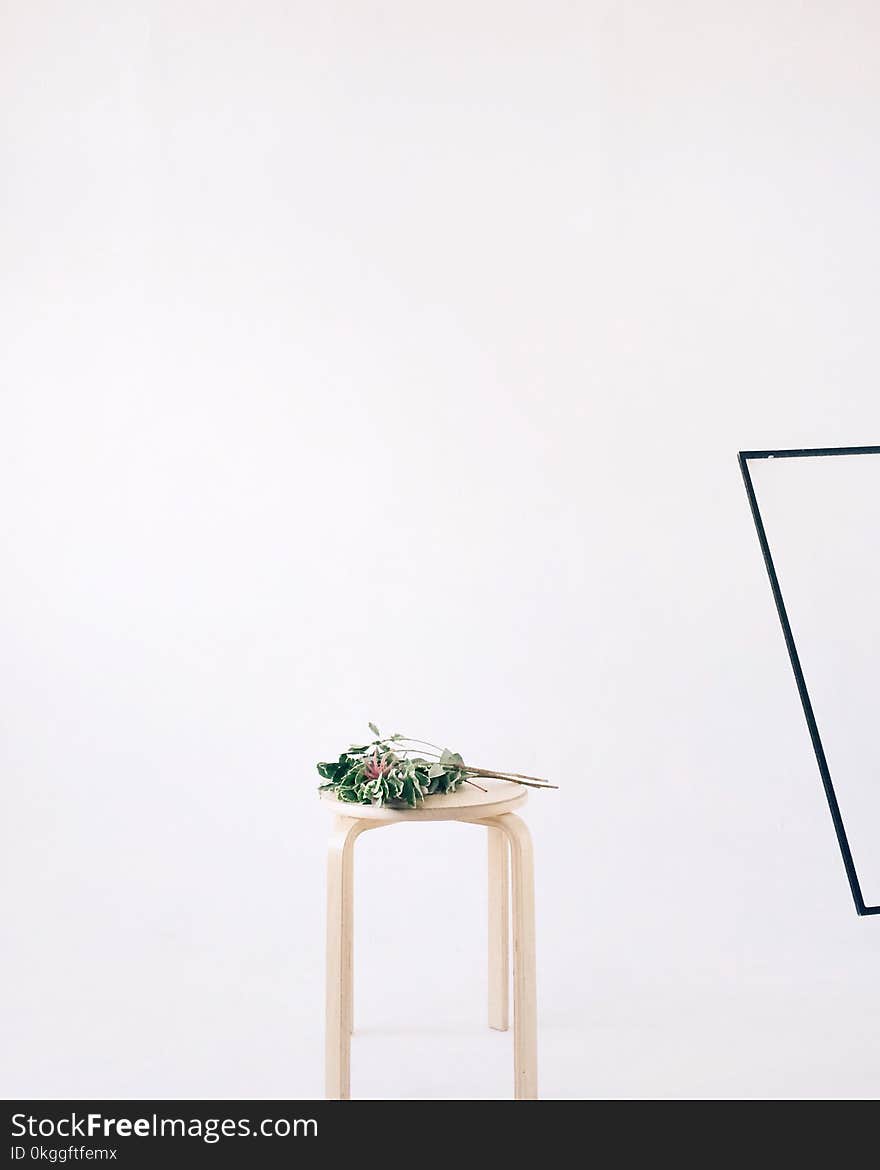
(389,769)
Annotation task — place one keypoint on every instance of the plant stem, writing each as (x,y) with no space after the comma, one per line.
(474,785)
(427,743)
(509,775)
(514,780)
(515,777)
(400,751)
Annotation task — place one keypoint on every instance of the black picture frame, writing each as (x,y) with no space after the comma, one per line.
(745,457)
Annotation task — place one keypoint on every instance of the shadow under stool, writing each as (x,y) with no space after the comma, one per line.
(511,882)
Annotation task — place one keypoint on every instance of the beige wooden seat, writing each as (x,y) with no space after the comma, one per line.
(510,852)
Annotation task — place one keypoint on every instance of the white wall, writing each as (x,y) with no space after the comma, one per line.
(389,361)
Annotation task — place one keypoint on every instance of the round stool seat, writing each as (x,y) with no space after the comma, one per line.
(468,803)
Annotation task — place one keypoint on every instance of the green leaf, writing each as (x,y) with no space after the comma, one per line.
(403,778)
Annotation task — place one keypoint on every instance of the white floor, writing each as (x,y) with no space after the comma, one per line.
(759,1044)
(754,1042)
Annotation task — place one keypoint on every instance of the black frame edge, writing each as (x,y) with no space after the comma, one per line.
(824,772)
(795,452)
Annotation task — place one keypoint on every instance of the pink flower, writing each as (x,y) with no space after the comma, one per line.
(374,768)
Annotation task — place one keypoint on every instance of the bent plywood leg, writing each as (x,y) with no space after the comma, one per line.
(340,889)
(525,1012)
(348,932)
(348,936)
(499,911)
(525,1000)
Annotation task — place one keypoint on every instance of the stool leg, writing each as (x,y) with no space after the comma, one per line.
(348,936)
(339,958)
(525,1011)
(499,913)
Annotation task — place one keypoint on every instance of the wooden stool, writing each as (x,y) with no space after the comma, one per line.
(494,810)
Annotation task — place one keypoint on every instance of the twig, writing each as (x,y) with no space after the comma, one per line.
(538,781)
(473,785)
(514,780)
